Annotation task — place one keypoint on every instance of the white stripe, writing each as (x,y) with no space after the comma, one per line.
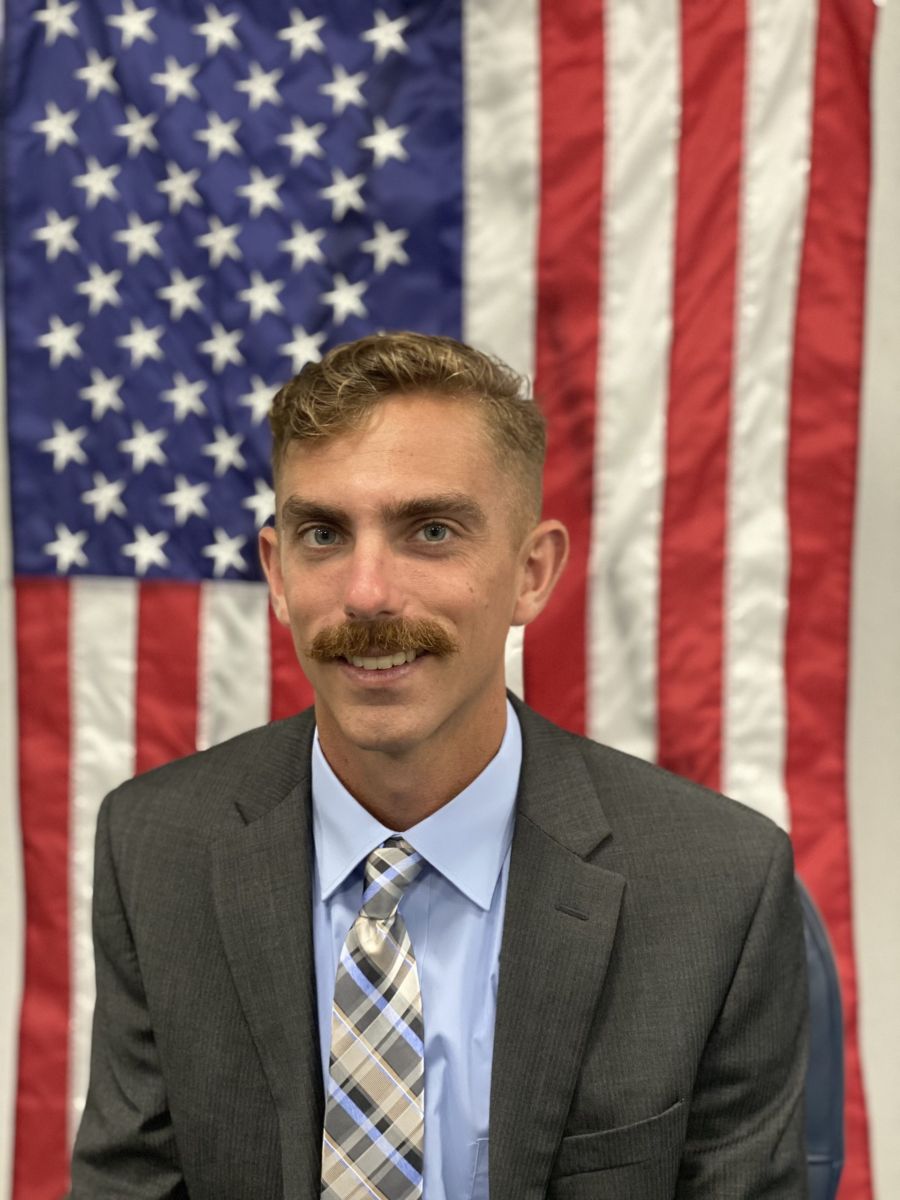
(502,135)
(234,677)
(874,747)
(642,120)
(777,127)
(515,660)
(103,641)
(501,177)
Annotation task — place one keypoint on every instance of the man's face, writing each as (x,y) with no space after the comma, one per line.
(409,519)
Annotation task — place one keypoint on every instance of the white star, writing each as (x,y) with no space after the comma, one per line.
(57,20)
(303,349)
(144,446)
(222,347)
(57,127)
(65,445)
(343,193)
(177,80)
(261,87)
(103,394)
(386,143)
(61,340)
(67,549)
(138,130)
(303,34)
(226,450)
(105,497)
(98,75)
(97,182)
(186,499)
(344,89)
(259,400)
(345,299)
(100,288)
(141,343)
(303,246)
(225,552)
(261,191)
(302,140)
(140,238)
(179,187)
(386,35)
(217,29)
(386,246)
(219,136)
(261,503)
(184,396)
(181,294)
(57,235)
(219,242)
(134,24)
(262,296)
(147,550)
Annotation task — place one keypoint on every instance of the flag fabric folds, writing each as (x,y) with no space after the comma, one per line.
(656,212)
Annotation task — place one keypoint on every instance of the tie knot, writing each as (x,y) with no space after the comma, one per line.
(389,871)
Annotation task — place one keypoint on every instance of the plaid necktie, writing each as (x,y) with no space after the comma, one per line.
(375,1107)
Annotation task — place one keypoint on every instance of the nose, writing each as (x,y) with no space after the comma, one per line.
(372,587)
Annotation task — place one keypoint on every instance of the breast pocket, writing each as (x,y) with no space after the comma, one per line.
(659,1137)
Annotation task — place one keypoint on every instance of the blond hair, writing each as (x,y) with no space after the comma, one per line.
(338,394)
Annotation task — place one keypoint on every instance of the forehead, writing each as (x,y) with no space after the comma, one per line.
(406,445)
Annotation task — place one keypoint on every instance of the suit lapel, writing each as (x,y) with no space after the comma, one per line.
(559,927)
(262,883)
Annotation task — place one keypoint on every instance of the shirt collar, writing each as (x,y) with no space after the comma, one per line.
(466,840)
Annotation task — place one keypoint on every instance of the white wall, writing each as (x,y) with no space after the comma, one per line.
(11,912)
(875,683)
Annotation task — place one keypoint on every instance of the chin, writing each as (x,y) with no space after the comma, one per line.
(389,731)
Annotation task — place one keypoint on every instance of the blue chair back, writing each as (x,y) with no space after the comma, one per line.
(825,1074)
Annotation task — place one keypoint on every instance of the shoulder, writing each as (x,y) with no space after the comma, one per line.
(198,794)
(660,823)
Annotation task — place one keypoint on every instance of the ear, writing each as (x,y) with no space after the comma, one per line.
(270,558)
(543,556)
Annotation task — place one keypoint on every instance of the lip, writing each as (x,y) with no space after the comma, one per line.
(390,675)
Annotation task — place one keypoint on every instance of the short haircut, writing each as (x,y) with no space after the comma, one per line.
(338,394)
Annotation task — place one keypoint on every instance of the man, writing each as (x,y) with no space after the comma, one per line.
(419,938)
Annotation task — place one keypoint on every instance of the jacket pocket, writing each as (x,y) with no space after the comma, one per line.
(626,1144)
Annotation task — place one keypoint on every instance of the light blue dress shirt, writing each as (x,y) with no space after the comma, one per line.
(454,914)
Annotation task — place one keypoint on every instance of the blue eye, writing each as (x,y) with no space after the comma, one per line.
(434,531)
(320,535)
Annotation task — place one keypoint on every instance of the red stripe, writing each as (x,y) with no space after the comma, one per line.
(568,282)
(692,550)
(166,686)
(290,689)
(42,648)
(821,498)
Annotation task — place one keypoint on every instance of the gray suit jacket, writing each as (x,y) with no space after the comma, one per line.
(651,1016)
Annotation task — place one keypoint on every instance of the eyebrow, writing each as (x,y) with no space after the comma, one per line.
(446,504)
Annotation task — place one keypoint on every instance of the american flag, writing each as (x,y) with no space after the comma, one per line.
(657,211)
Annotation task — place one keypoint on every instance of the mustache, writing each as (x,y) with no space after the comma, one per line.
(394,636)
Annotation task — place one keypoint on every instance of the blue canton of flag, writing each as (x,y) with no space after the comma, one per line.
(201,199)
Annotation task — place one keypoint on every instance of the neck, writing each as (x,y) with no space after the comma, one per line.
(403,788)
